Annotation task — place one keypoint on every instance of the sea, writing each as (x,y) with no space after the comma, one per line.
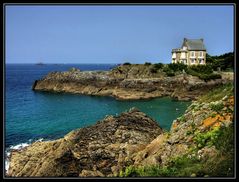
(33,115)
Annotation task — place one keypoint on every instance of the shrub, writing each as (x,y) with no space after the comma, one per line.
(127,63)
(158,65)
(212,76)
(147,63)
(170,73)
(225,141)
(223,163)
(203,75)
(202,69)
(217,107)
(155,67)
(177,66)
(154,170)
(182,119)
(153,70)
(207,139)
(224,62)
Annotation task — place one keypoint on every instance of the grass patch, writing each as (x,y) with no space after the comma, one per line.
(217,107)
(218,93)
(209,138)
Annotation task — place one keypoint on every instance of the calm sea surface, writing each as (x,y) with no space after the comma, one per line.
(31,115)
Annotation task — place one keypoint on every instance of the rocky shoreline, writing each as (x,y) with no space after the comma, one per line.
(128,83)
(115,143)
(99,150)
(131,139)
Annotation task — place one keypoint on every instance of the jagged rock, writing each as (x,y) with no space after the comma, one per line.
(90,151)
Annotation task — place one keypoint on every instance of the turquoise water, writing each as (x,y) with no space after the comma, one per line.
(33,115)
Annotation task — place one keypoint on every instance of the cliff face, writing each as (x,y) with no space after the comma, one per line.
(134,139)
(99,150)
(128,82)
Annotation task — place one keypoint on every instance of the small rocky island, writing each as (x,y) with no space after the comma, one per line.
(127,82)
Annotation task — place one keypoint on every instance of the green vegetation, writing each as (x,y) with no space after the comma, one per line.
(177,67)
(182,119)
(156,170)
(218,93)
(147,63)
(203,69)
(204,72)
(220,165)
(127,63)
(155,67)
(207,139)
(217,107)
(224,62)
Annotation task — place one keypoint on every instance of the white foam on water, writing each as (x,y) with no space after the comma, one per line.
(17,147)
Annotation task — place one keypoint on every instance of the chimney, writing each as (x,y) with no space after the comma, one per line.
(185,39)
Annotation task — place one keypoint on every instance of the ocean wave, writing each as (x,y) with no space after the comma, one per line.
(17,147)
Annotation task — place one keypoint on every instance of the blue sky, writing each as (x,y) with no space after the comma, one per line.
(113,34)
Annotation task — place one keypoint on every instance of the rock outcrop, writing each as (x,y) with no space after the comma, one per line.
(199,120)
(128,82)
(99,150)
(131,139)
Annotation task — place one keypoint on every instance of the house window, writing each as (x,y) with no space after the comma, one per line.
(192,54)
(192,61)
(200,54)
(201,61)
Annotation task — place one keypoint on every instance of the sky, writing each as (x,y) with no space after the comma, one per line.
(113,34)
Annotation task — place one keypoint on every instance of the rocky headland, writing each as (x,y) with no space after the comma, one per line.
(127,82)
(198,144)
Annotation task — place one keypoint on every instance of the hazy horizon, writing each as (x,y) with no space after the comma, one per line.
(113,34)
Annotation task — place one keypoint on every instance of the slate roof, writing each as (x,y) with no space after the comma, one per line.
(194,44)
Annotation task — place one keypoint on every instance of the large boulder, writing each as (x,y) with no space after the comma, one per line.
(99,150)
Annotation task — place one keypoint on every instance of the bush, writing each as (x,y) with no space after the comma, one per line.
(147,63)
(155,67)
(205,75)
(202,69)
(222,165)
(170,73)
(225,141)
(217,107)
(153,70)
(177,66)
(127,63)
(158,65)
(154,170)
(209,138)
(212,76)
(224,62)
